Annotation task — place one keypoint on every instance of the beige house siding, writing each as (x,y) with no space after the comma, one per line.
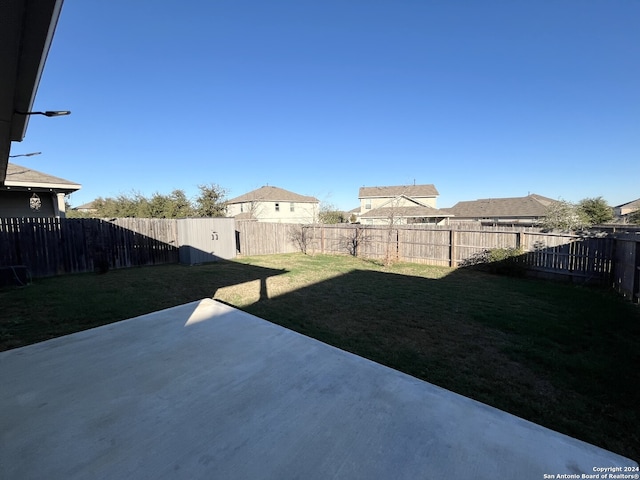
(400,205)
(400,221)
(275,205)
(373,203)
(626,209)
(275,212)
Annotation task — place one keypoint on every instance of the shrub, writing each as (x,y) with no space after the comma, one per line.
(497,260)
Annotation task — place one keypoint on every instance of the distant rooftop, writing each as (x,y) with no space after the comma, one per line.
(530,206)
(394,191)
(272,194)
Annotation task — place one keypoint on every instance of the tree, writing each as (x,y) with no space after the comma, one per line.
(211,201)
(634,217)
(356,239)
(178,205)
(563,215)
(131,205)
(394,218)
(70,212)
(301,236)
(329,214)
(597,210)
(174,205)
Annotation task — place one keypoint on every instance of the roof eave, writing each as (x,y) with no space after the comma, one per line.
(39,28)
(26,41)
(42,185)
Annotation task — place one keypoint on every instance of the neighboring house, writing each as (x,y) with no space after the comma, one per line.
(623,211)
(273,204)
(400,205)
(87,208)
(353,215)
(29,193)
(524,211)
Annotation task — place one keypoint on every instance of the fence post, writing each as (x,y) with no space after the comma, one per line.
(453,251)
(635,297)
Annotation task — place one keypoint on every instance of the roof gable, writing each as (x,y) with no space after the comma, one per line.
(397,202)
(394,191)
(272,194)
(419,211)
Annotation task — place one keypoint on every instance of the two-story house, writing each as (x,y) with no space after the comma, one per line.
(273,204)
(624,211)
(400,205)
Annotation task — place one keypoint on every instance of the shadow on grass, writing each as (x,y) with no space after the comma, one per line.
(559,355)
(52,307)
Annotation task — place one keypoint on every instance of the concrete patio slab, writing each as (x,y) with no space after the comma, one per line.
(204,391)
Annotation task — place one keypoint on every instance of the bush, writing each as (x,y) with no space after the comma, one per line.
(502,261)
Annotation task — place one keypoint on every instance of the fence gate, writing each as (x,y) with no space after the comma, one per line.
(205,240)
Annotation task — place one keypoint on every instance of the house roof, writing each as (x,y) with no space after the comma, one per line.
(394,191)
(632,204)
(87,206)
(405,212)
(244,216)
(272,194)
(530,206)
(23,177)
(25,37)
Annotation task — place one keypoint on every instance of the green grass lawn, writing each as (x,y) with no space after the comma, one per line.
(564,356)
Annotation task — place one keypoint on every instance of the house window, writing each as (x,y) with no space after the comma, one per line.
(277,207)
(241,207)
(367,204)
(292,207)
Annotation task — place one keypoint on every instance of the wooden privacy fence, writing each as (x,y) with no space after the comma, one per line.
(49,246)
(626,266)
(588,259)
(54,246)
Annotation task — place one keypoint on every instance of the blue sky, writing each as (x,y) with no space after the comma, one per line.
(480,98)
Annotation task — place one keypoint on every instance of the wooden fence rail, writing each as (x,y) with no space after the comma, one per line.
(49,246)
(602,259)
(53,246)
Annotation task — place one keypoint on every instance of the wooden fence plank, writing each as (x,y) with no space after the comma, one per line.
(567,255)
(54,246)
(51,246)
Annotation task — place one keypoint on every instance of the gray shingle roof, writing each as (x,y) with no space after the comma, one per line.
(394,191)
(272,194)
(23,176)
(530,206)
